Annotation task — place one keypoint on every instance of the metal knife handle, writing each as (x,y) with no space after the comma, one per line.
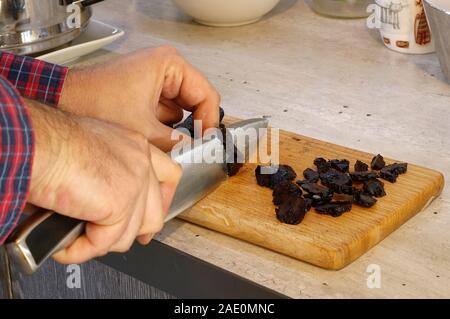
(43,234)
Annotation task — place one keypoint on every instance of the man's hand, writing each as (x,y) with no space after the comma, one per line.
(101,173)
(143,91)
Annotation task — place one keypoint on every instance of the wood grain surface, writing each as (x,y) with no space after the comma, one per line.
(242,209)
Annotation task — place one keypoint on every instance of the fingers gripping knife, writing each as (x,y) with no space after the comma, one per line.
(45,232)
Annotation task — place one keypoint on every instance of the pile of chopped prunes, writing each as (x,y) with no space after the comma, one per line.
(330,188)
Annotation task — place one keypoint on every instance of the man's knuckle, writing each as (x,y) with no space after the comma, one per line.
(121,249)
(107,209)
(156,226)
(166,50)
(102,252)
(217,96)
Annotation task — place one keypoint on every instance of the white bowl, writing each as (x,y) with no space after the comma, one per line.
(226,13)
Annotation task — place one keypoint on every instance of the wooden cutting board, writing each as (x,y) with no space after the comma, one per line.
(242,209)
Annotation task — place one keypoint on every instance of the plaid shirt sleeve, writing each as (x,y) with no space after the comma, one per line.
(34,79)
(16,155)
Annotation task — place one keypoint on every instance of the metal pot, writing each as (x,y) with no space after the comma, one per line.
(438,14)
(30,26)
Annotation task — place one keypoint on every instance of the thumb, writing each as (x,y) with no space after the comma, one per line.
(165,137)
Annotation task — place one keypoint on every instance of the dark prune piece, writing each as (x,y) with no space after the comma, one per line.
(232,156)
(374,187)
(337,181)
(322,165)
(340,165)
(221,114)
(292,211)
(262,179)
(348,190)
(300,182)
(311,175)
(234,168)
(363,199)
(188,123)
(391,172)
(361,166)
(317,193)
(284,190)
(283,173)
(377,162)
(316,201)
(308,203)
(335,209)
(388,176)
(397,168)
(363,176)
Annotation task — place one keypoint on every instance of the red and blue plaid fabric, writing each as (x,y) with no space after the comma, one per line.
(33,79)
(16,155)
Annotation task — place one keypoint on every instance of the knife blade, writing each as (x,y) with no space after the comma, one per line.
(45,232)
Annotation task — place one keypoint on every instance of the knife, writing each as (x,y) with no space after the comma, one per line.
(45,232)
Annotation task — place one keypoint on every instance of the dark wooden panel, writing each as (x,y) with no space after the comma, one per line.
(4,275)
(97,281)
(183,275)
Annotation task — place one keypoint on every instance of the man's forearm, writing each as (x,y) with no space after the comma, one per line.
(51,128)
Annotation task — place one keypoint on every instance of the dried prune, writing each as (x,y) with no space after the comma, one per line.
(388,176)
(361,166)
(233,165)
(391,172)
(340,165)
(283,173)
(377,162)
(284,190)
(311,175)
(322,165)
(397,168)
(334,209)
(233,168)
(232,155)
(308,203)
(262,179)
(300,182)
(338,182)
(188,123)
(363,199)
(374,187)
(317,193)
(292,211)
(221,114)
(363,176)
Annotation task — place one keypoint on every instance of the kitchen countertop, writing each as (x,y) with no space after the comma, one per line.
(328,79)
